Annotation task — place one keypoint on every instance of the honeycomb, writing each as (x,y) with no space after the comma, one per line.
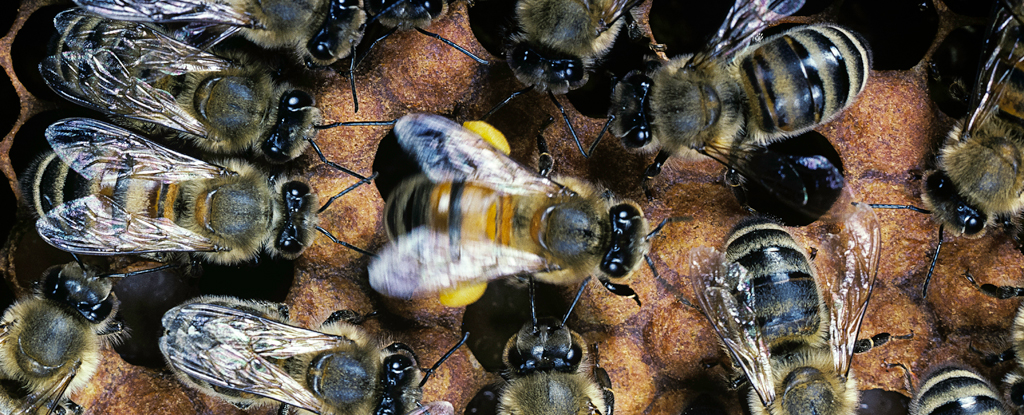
(659,356)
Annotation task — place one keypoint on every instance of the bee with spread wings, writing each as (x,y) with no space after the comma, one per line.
(150,81)
(132,196)
(790,329)
(476,215)
(241,351)
(740,90)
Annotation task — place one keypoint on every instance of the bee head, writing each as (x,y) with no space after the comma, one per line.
(296,116)
(340,31)
(628,241)
(81,289)
(544,347)
(631,109)
(400,380)
(406,14)
(545,68)
(298,219)
(950,207)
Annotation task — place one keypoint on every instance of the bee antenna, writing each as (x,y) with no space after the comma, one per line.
(679,295)
(674,219)
(134,273)
(607,124)
(352,67)
(505,101)
(533,305)
(452,44)
(355,124)
(343,243)
(352,79)
(465,336)
(935,257)
(579,293)
(78,260)
(908,207)
(565,117)
(347,189)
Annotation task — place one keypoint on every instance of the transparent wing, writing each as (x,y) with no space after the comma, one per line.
(95,149)
(745,20)
(448,152)
(716,286)
(856,249)
(1003,51)
(95,225)
(237,350)
(423,261)
(149,53)
(171,11)
(51,397)
(434,408)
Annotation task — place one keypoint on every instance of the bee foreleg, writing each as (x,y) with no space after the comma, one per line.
(652,171)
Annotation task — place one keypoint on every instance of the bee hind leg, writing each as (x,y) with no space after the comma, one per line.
(1001,292)
(603,380)
(863,345)
(992,359)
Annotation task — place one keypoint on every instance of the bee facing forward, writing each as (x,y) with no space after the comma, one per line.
(549,373)
(780,87)
(135,73)
(477,215)
(791,331)
(318,31)
(128,195)
(50,342)
(249,354)
(977,178)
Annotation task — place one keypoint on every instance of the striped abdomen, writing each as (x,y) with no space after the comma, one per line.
(802,78)
(786,301)
(955,390)
(464,211)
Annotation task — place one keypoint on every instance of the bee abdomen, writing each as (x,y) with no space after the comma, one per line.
(802,78)
(955,390)
(408,207)
(50,182)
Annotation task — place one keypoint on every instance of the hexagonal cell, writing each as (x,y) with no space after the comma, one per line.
(10,102)
(973,8)
(144,299)
(491,22)
(898,32)
(685,27)
(953,69)
(883,402)
(28,49)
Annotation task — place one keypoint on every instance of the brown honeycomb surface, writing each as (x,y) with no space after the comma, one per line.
(657,355)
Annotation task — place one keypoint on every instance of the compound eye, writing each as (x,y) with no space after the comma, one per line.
(297,100)
(971,221)
(940,185)
(433,7)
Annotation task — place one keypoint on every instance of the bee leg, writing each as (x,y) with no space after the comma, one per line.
(1001,292)
(112,328)
(603,380)
(863,345)
(992,359)
(679,295)
(909,378)
(652,171)
(544,160)
(348,316)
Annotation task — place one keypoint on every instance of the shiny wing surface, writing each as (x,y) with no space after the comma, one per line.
(95,225)
(745,20)
(1003,52)
(856,249)
(237,350)
(50,397)
(608,11)
(170,11)
(446,151)
(716,286)
(434,408)
(422,262)
(95,149)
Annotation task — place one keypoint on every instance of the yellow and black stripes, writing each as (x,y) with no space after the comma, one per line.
(955,390)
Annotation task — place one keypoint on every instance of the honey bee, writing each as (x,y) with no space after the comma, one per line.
(50,342)
(136,73)
(107,191)
(249,354)
(476,215)
(1014,379)
(319,32)
(734,91)
(791,330)
(548,373)
(953,389)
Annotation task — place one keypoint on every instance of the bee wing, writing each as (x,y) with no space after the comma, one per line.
(50,397)
(233,349)
(95,225)
(856,249)
(608,11)
(434,408)
(714,284)
(423,261)
(446,151)
(94,148)
(171,11)
(1003,51)
(745,20)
